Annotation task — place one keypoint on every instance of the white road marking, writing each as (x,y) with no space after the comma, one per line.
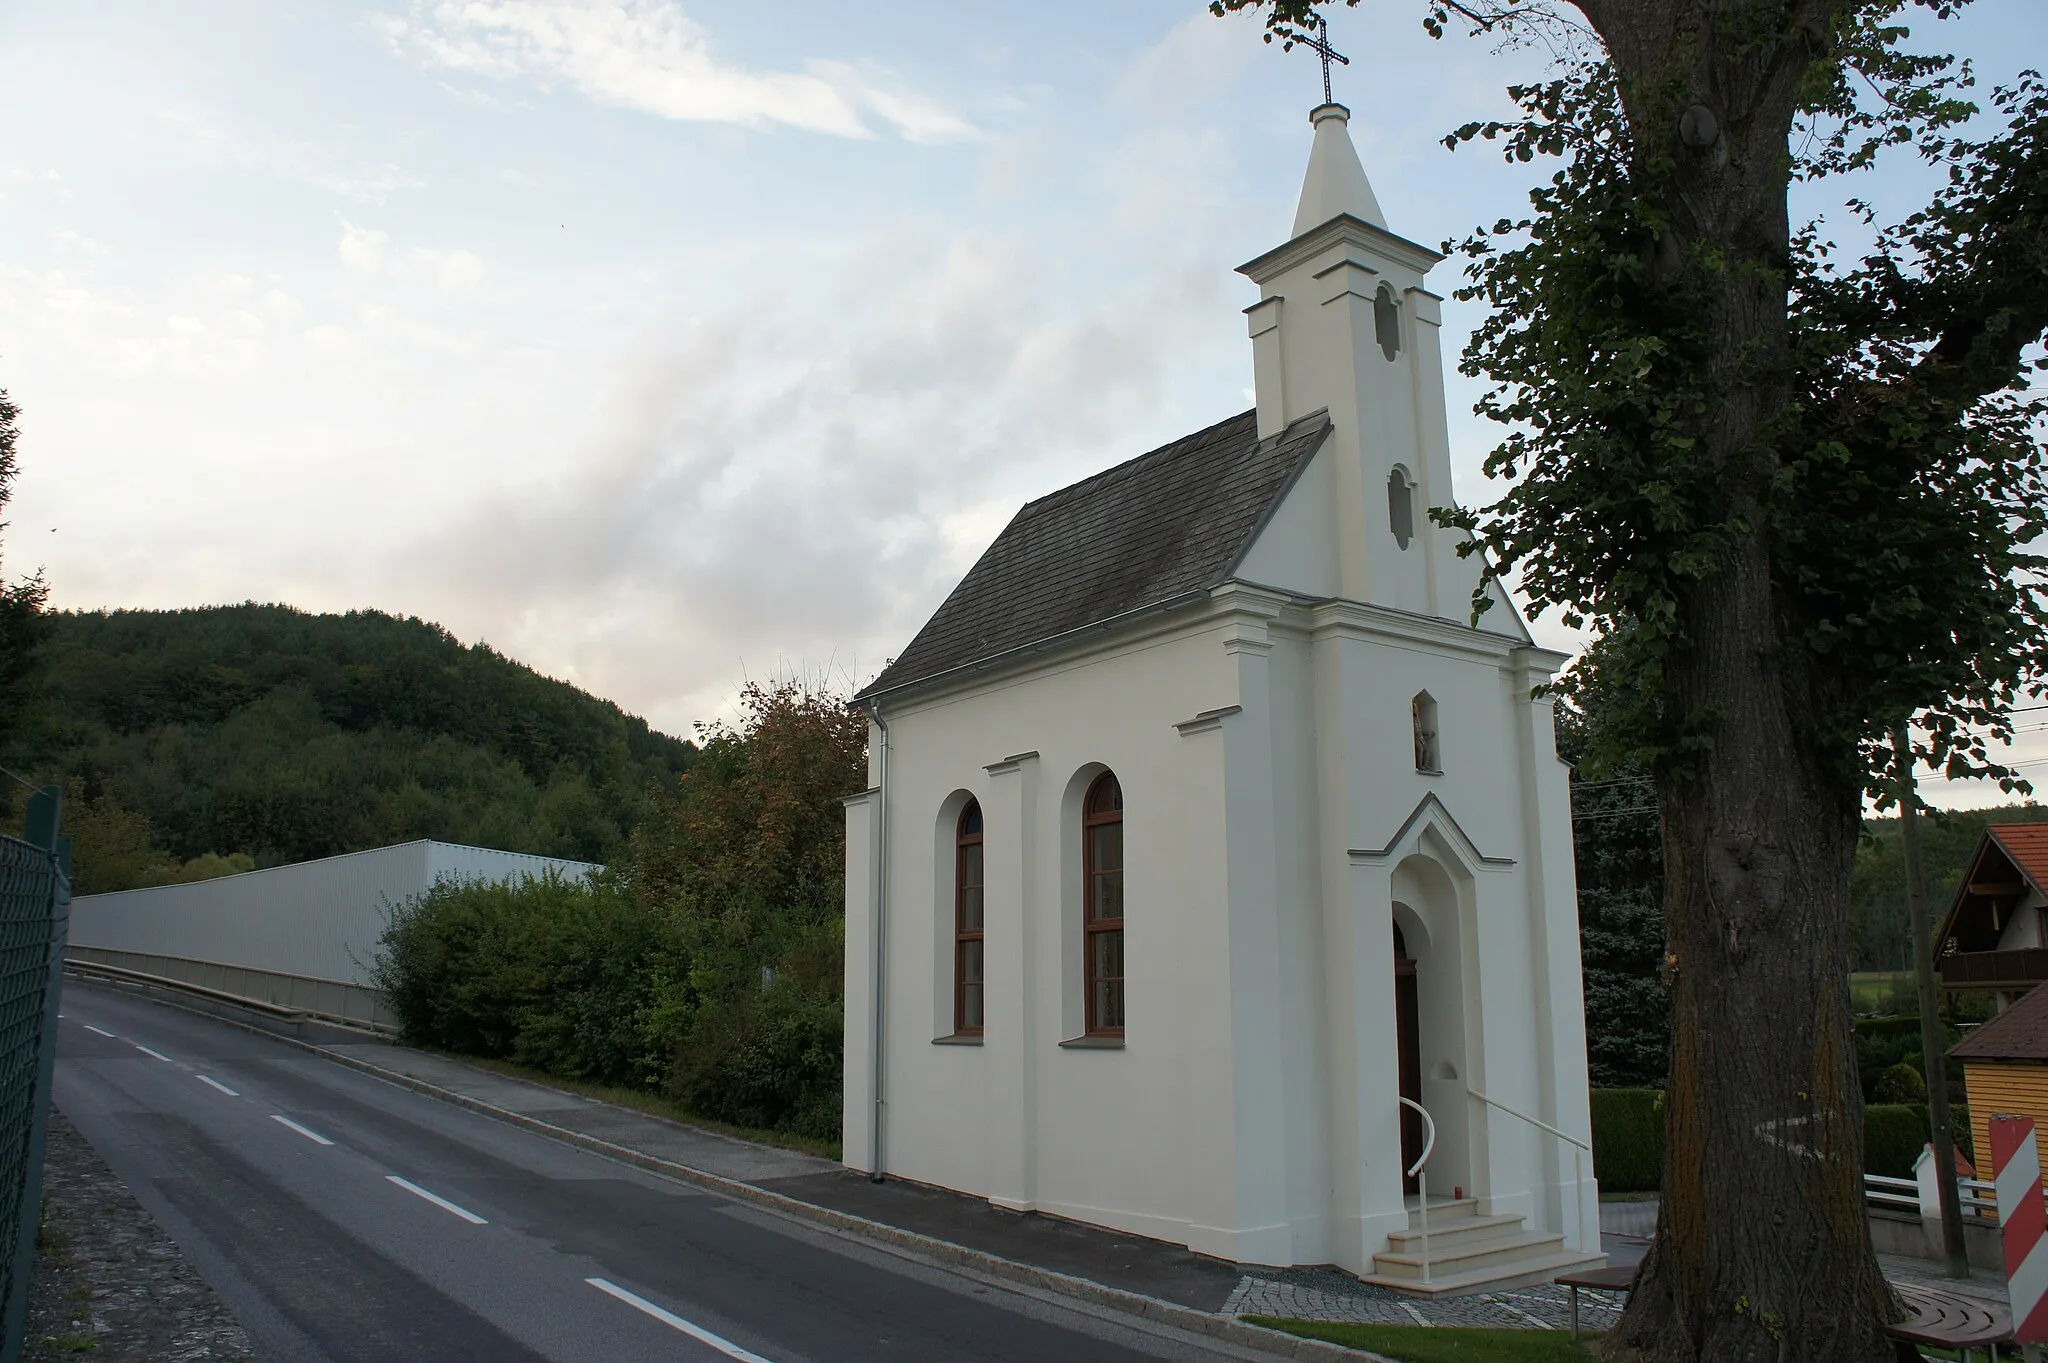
(154,1055)
(215,1083)
(310,1135)
(443,1203)
(90,1028)
(669,1318)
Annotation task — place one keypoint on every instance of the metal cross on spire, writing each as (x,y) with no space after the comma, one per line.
(1318,42)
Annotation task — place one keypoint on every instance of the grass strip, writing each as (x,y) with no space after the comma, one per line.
(654,1104)
(1438,1343)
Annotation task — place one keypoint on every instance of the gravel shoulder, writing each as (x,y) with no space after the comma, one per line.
(109,1283)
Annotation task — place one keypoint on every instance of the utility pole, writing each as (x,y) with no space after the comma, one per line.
(1953,1249)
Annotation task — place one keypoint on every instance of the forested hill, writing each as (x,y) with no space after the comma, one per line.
(263,734)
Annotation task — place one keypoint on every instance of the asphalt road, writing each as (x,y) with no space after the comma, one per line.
(346,1220)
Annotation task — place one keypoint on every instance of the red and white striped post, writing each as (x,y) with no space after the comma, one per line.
(2016,1158)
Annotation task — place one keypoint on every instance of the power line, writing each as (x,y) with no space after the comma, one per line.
(25,783)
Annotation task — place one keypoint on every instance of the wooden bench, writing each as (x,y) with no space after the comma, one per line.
(1949,1320)
(1613,1278)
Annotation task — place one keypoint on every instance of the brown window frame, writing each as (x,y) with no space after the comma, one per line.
(1091,927)
(962,934)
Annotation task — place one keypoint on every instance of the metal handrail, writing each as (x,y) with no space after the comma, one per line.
(1579,1153)
(1422,1179)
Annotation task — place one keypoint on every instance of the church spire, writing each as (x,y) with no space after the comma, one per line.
(1336,181)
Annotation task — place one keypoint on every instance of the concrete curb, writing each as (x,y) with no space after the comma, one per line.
(944,1252)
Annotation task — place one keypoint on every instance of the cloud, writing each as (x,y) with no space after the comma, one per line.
(206,333)
(798,480)
(455,271)
(361,249)
(70,242)
(650,56)
(251,146)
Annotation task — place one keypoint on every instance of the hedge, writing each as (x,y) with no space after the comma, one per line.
(1628,1139)
(1905,1027)
(1893,1136)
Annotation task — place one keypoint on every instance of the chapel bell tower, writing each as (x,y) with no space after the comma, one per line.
(1345,323)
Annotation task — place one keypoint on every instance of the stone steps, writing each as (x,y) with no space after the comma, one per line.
(1472,1253)
(1522,1273)
(1454,1230)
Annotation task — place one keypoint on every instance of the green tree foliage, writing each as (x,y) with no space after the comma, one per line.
(707,962)
(24,621)
(269,733)
(749,850)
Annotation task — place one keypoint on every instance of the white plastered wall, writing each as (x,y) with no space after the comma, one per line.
(1250,1113)
(1035,1125)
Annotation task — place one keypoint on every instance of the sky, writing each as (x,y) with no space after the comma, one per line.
(658,346)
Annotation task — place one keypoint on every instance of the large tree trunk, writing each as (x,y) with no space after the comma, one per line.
(1763,1251)
(1763,1248)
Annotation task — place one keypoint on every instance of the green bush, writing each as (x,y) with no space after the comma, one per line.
(1900,1084)
(1883,1043)
(769,1060)
(710,964)
(1628,1140)
(555,973)
(1893,1136)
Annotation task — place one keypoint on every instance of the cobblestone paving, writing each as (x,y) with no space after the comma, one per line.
(108,1281)
(1327,1294)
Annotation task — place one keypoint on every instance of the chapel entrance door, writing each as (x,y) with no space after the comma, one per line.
(1407,1024)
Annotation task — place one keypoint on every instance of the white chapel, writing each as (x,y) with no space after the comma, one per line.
(1215,867)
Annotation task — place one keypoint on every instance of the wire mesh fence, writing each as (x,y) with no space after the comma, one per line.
(35,896)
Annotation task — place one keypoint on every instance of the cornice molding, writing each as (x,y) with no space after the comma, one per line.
(1431,805)
(1338,616)
(1207,722)
(1342,230)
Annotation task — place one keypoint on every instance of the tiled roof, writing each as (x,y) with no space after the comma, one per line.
(1973,918)
(2027,845)
(2019,1033)
(1161,527)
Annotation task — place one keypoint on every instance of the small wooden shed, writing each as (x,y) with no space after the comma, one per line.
(2005,1067)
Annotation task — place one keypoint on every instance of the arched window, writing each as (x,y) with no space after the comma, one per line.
(1386,322)
(1102,895)
(1427,755)
(1400,505)
(967,923)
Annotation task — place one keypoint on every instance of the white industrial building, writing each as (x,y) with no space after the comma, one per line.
(302,936)
(1207,834)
